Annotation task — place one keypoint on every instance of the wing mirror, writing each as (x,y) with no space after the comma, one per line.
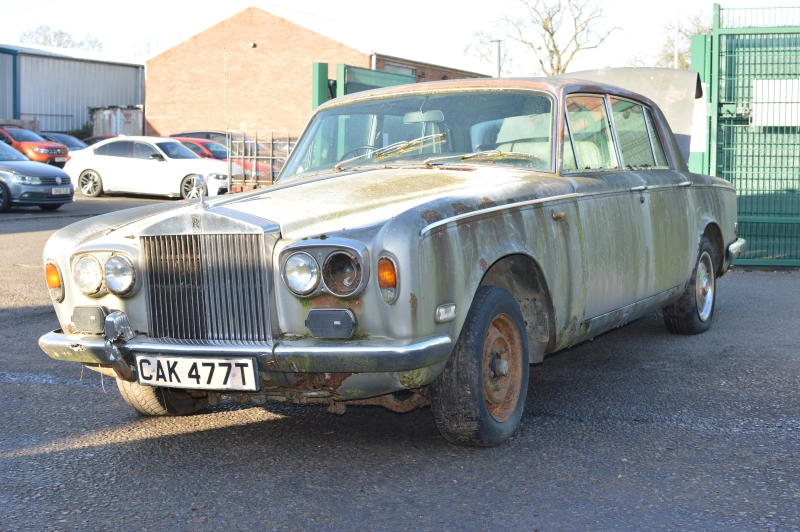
(156,157)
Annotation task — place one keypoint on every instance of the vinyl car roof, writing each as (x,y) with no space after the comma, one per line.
(556,85)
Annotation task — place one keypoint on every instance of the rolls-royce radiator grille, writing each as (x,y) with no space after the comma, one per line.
(207,288)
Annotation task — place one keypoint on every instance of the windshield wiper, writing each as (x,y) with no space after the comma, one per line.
(404,145)
(388,150)
(496,154)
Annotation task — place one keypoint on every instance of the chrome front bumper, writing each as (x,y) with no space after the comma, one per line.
(736,249)
(291,356)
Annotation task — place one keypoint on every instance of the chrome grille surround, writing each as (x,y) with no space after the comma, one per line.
(207,288)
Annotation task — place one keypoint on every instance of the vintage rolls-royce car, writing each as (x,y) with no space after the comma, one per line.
(423,245)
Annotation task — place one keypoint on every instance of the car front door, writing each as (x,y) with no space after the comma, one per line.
(148,167)
(616,258)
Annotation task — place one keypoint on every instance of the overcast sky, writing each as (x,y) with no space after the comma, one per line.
(449,25)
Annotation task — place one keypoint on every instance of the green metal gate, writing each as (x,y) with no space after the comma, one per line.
(751,65)
(350,79)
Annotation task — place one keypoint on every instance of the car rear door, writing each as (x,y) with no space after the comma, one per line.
(666,194)
(616,258)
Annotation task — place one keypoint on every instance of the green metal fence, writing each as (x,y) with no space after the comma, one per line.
(751,65)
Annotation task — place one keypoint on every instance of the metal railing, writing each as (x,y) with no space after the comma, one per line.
(256,158)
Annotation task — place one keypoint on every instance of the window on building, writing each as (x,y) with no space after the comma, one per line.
(397,68)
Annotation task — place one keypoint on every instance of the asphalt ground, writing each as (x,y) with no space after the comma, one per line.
(637,430)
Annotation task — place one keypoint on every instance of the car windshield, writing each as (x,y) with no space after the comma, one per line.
(412,129)
(23,135)
(176,150)
(67,140)
(7,153)
(218,150)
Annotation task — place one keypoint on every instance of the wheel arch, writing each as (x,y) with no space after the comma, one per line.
(523,277)
(713,233)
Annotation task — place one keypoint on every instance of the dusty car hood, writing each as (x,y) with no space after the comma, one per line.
(364,198)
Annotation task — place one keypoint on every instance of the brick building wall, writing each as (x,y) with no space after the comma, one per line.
(269,85)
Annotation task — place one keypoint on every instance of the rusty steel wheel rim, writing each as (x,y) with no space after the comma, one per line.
(502,368)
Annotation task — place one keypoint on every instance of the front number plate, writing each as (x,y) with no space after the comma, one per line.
(60,191)
(198,373)
(61,159)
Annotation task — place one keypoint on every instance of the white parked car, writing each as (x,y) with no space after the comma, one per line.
(145,165)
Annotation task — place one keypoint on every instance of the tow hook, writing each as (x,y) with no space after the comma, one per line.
(118,330)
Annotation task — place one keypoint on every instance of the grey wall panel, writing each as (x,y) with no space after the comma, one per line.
(59,91)
(6,86)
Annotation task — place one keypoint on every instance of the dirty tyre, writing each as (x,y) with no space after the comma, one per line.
(473,403)
(90,183)
(694,311)
(51,207)
(5,198)
(153,401)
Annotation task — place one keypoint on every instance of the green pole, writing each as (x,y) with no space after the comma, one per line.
(319,84)
(714,84)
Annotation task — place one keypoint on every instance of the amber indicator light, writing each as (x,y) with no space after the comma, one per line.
(387,275)
(53,278)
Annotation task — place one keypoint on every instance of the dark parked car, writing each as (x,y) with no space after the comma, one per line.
(72,143)
(89,141)
(25,182)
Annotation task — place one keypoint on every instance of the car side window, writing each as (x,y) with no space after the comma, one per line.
(143,151)
(591,133)
(117,149)
(194,147)
(5,138)
(632,134)
(661,159)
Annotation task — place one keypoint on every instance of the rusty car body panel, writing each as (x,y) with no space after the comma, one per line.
(582,251)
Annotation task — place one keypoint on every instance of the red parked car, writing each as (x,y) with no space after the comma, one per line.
(214,150)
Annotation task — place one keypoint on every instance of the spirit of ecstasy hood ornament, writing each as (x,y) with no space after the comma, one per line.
(199,190)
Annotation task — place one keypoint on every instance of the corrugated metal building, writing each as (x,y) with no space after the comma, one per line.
(57,86)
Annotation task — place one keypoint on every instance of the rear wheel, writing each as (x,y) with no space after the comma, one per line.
(693,312)
(480,395)
(155,401)
(5,198)
(188,190)
(51,206)
(90,183)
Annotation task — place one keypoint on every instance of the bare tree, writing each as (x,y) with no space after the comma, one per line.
(558,30)
(47,36)
(696,24)
(483,48)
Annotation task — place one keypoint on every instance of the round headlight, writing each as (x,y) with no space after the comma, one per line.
(120,275)
(301,273)
(342,273)
(88,275)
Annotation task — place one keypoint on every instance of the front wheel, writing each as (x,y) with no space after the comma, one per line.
(693,312)
(480,395)
(90,183)
(5,198)
(155,401)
